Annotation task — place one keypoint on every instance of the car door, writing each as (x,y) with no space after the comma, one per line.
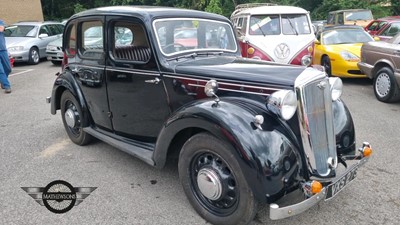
(85,54)
(136,94)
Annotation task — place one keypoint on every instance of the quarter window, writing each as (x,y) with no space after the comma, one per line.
(92,39)
(70,49)
(130,42)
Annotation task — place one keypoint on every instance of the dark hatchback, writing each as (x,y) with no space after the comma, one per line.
(246,131)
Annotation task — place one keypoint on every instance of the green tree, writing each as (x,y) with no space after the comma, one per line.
(214,7)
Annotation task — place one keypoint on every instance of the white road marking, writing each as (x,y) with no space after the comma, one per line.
(23,71)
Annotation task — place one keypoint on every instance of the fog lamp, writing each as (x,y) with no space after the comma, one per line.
(316,187)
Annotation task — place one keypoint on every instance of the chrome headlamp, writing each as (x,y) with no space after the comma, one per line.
(336,87)
(283,103)
(306,60)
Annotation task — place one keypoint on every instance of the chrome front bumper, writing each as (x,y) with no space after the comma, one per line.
(277,213)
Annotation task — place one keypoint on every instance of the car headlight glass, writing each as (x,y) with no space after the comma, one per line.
(283,103)
(15,48)
(336,87)
(348,56)
(306,60)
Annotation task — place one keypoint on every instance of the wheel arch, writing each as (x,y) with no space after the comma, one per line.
(66,81)
(259,157)
(381,64)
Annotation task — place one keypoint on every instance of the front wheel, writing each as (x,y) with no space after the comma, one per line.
(34,56)
(213,181)
(71,113)
(326,63)
(385,86)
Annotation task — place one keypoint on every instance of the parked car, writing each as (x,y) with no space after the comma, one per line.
(246,131)
(384,28)
(360,17)
(54,51)
(27,41)
(380,61)
(282,34)
(337,49)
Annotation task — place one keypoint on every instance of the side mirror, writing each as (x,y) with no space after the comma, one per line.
(43,35)
(376,38)
(317,42)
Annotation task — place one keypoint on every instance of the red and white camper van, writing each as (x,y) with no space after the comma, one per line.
(276,33)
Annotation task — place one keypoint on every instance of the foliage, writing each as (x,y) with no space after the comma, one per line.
(61,9)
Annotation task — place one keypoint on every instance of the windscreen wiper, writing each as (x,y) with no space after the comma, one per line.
(293,28)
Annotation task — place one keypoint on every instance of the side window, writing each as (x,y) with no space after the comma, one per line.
(53,29)
(381,24)
(340,18)
(130,42)
(392,30)
(331,18)
(44,30)
(373,26)
(244,26)
(92,39)
(70,48)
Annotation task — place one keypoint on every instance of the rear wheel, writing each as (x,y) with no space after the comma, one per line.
(34,56)
(214,183)
(71,113)
(385,86)
(326,63)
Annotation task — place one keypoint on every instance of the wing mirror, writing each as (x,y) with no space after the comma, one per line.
(43,35)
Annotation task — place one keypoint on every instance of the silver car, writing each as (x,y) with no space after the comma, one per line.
(27,41)
(54,51)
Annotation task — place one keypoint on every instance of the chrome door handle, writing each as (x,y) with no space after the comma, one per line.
(154,81)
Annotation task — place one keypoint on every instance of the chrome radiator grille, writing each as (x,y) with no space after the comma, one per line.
(316,124)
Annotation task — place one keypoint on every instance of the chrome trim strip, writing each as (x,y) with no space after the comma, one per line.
(233,90)
(141,72)
(225,83)
(276,213)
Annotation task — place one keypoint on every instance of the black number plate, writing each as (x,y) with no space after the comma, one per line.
(339,184)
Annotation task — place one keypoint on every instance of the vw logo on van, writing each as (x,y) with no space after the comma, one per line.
(282,51)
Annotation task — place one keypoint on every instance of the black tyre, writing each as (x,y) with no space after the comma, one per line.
(213,181)
(57,63)
(71,114)
(326,63)
(34,57)
(385,86)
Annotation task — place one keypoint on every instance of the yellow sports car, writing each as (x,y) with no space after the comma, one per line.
(338,50)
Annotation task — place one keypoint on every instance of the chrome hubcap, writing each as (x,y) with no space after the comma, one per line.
(382,84)
(70,118)
(209,184)
(35,56)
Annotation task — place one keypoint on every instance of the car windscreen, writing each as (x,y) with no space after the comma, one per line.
(358,15)
(345,36)
(178,35)
(265,25)
(21,31)
(287,24)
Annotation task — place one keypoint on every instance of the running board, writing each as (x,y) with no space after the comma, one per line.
(138,152)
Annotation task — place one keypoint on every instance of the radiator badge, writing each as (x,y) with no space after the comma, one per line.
(322,84)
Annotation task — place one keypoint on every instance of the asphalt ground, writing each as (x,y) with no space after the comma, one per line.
(35,150)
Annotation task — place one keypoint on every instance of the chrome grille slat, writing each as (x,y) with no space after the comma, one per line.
(316,123)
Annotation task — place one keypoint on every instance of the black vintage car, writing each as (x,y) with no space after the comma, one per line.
(158,82)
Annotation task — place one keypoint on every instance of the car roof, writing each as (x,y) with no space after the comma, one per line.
(349,10)
(34,23)
(279,9)
(335,27)
(388,18)
(149,12)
